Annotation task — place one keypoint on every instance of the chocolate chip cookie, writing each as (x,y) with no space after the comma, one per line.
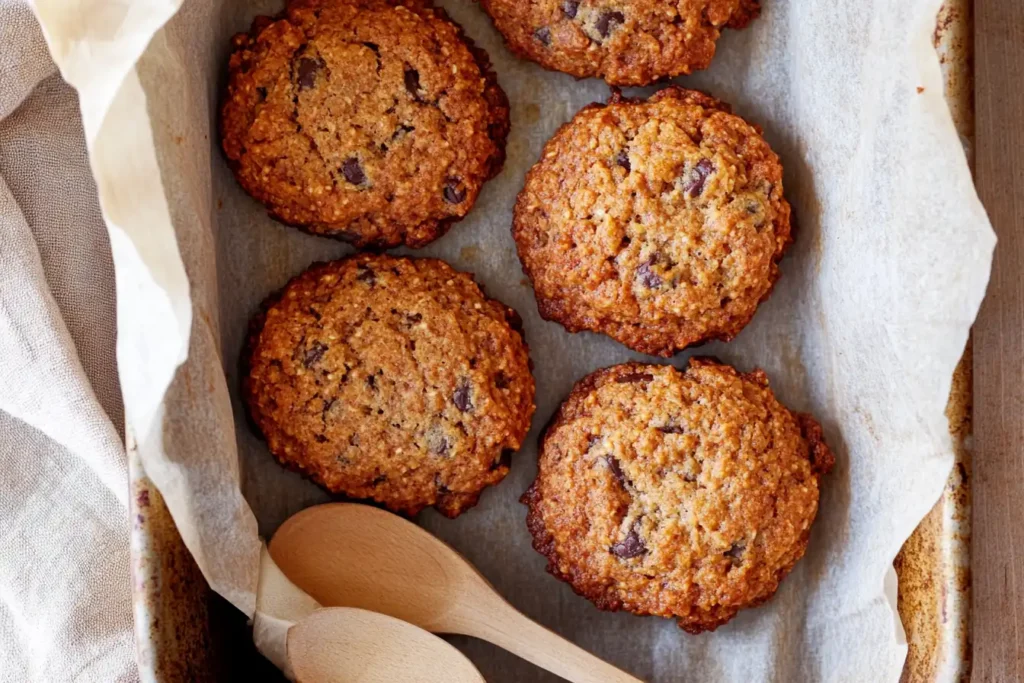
(658,222)
(376,121)
(685,494)
(391,379)
(625,42)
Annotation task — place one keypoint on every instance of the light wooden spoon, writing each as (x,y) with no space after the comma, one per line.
(349,645)
(346,554)
(314,644)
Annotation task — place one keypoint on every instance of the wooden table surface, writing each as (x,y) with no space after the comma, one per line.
(997,547)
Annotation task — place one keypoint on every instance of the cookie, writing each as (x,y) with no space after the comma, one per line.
(658,222)
(684,494)
(625,42)
(375,121)
(391,379)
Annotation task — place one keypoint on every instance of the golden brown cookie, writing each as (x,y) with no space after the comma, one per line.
(392,379)
(658,222)
(376,121)
(679,494)
(625,42)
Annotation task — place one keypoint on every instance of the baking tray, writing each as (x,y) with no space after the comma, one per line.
(184,632)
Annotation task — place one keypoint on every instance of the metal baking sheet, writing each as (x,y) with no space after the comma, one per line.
(186,633)
(934,565)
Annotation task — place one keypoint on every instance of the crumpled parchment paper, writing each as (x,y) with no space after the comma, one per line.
(864,329)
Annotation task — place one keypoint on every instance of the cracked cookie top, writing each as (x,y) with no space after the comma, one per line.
(625,42)
(658,222)
(376,121)
(391,379)
(686,494)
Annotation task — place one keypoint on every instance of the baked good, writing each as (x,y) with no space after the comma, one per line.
(686,494)
(391,379)
(625,42)
(376,121)
(658,222)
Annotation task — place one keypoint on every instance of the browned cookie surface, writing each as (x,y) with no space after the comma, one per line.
(679,494)
(625,42)
(658,222)
(375,121)
(391,379)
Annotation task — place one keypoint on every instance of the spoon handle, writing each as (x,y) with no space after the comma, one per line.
(513,631)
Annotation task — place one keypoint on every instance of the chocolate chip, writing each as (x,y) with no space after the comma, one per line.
(671,429)
(504,460)
(453,194)
(515,321)
(371,381)
(543,35)
(648,278)
(375,49)
(634,377)
(314,353)
(320,438)
(501,380)
(694,184)
(441,488)
(413,318)
(326,409)
(607,21)
(262,92)
(623,160)
(307,71)
(379,479)
(439,445)
(401,131)
(631,546)
(570,7)
(463,396)
(412,81)
(735,553)
(352,171)
(616,469)
(367,275)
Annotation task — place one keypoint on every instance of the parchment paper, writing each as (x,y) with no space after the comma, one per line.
(864,329)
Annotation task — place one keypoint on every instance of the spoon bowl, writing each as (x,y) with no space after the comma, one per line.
(348,645)
(352,555)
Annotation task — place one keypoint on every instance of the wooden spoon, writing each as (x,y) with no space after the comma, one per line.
(349,645)
(346,644)
(346,554)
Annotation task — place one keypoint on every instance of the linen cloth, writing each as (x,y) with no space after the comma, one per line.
(65,588)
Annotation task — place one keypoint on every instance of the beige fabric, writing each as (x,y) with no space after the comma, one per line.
(65,598)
